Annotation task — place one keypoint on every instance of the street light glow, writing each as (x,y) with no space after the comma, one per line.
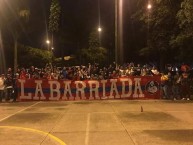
(149,6)
(99,29)
(47,41)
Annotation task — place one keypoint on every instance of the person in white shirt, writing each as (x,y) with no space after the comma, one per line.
(2,87)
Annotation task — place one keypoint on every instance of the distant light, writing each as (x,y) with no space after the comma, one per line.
(47,41)
(67,57)
(52,48)
(99,29)
(149,6)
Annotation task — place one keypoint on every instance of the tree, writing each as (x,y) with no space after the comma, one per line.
(34,56)
(183,40)
(15,15)
(160,24)
(54,18)
(94,53)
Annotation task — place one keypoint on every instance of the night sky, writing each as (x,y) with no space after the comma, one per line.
(78,19)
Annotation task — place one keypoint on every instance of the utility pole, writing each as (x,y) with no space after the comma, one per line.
(116,32)
(15,52)
(119,56)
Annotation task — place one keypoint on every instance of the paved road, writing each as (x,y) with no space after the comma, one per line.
(117,122)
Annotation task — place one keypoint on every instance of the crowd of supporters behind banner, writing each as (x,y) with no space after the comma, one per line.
(176,80)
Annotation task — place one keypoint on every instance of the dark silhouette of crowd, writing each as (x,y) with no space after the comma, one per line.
(177,82)
(90,71)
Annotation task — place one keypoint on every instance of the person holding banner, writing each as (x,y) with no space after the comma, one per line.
(166,81)
(2,87)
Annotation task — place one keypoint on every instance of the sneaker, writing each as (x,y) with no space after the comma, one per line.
(183,99)
(174,99)
(188,99)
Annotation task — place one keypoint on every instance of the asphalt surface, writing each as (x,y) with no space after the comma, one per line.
(103,122)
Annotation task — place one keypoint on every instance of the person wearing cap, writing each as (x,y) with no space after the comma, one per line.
(2,87)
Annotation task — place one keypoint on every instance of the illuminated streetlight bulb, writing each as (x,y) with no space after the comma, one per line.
(47,41)
(149,6)
(99,29)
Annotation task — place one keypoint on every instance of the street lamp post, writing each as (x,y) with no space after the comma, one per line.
(50,49)
(149,7)
(99,31)
(99,21)
(118,32)
(48,43)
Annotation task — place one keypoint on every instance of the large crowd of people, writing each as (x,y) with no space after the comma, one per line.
(91,71)
(176,82)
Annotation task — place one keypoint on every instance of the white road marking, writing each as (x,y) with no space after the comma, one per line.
(19,111)
(87,129)
(119,120)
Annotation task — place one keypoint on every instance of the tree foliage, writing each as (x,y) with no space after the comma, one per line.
(185,16)
(94,53)
(183,40)
(14,16)
(33,56)
(162,27)
(54,18)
